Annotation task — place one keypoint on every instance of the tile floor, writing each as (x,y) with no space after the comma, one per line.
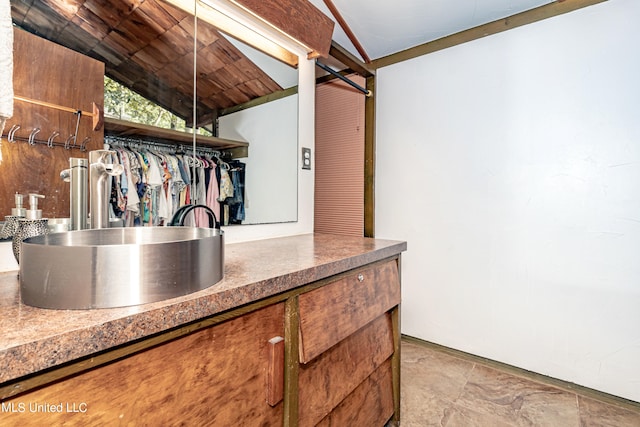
(440,388)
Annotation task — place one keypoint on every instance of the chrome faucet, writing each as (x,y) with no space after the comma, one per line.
(101,167)
(76,175)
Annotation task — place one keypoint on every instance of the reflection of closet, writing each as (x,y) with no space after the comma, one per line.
(160,178)
(51,82)
(173,177)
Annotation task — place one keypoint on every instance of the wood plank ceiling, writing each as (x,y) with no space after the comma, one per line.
(147,45)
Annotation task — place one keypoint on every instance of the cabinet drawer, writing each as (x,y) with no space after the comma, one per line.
(371,404)
(333,312)
(328,379)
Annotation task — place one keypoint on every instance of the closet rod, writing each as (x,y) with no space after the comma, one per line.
(329,70)
(95,114)
(127,141)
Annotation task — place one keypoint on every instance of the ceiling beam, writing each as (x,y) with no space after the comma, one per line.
(351,61)
(345,27)
(550,10)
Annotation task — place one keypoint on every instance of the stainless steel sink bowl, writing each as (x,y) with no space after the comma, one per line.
(117,267)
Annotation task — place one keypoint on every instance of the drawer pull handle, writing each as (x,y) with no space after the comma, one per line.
(360,277)
(275,371)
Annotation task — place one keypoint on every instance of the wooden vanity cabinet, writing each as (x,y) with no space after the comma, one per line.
(216,376)
(323,354)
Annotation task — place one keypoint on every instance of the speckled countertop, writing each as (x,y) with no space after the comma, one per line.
(33,339)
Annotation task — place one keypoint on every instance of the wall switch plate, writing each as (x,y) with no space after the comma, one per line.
(306,158)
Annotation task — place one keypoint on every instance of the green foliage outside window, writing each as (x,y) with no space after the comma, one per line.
(124,104)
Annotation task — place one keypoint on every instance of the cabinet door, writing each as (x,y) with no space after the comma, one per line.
(216,376)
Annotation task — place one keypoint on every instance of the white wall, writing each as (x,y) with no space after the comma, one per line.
(271,183)
(511,165)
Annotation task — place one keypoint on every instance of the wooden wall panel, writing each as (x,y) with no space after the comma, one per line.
(48,72)
(339,158)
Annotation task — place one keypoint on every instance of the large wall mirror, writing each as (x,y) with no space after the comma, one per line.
(271,128)
(148,47)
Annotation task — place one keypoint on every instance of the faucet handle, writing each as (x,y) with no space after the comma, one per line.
(104,158)
(114,169)
(101,156)
(65,175)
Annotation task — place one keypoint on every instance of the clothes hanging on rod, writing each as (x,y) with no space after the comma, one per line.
(156,182)
(237,202)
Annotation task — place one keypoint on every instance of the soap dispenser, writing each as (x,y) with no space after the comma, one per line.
(33,212)
(19,210)
(11,221)
(32,225)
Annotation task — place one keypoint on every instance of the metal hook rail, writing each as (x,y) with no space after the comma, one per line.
(68,144)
